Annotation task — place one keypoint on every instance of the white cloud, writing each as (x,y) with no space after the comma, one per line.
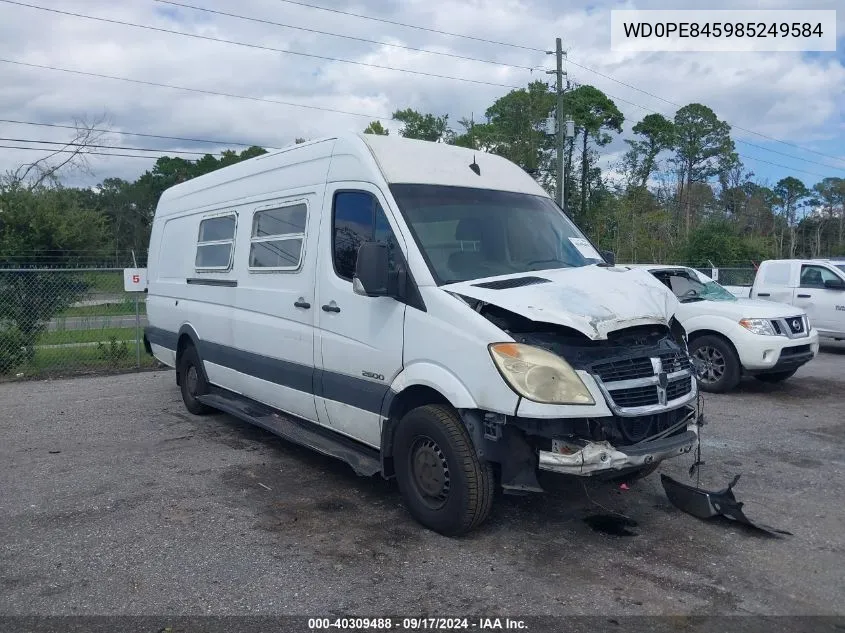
(788,96)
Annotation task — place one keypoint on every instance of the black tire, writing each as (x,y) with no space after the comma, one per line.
(723,367)
(442,481)
(192,381)
(776,376)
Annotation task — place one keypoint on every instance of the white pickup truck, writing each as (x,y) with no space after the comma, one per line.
(732,337)
(816,286)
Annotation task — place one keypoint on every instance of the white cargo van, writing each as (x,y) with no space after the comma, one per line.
(418,310)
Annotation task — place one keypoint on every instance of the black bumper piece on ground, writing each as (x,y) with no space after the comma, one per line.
(706,504)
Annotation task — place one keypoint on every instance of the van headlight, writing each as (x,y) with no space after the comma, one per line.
(758,326)
(539,375)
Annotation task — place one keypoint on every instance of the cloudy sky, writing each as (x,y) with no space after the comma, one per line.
(785,108)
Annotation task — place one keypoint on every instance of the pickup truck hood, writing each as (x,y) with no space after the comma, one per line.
(591,299)
(739,309)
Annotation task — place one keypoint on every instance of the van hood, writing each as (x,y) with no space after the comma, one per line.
(590,299)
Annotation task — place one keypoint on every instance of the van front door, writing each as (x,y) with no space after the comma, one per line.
(360,337)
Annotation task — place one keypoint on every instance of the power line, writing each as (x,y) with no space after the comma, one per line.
(96,146)
(414,26)
(346,37)
(196,90)
(647,109)
(124,133)
(678,105)
(582,66)
(72,151)
(760,160)
(259,46)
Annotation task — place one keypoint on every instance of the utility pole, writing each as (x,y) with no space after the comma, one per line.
(561,126)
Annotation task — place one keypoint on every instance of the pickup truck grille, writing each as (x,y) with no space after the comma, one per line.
(793,326)
(646,385)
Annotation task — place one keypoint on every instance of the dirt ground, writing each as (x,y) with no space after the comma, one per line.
(115,500)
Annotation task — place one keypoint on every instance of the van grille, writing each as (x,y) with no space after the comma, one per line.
(646,385)
(630,368)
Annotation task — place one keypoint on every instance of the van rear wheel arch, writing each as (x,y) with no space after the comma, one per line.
(191,377)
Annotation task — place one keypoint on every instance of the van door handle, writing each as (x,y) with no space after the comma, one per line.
(763,294)
(804,296)
(302,303)
(330,308)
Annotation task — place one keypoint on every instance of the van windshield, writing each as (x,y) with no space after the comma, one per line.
(467,234)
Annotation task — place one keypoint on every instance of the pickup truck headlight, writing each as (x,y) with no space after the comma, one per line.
(539,375)
(758,326)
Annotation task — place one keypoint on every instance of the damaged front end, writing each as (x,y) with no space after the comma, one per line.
(642,373)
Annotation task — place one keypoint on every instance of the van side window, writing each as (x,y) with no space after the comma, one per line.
(357,217)
(815,276)
(215,243)
(277,237)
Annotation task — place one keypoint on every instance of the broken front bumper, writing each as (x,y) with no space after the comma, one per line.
(596,457)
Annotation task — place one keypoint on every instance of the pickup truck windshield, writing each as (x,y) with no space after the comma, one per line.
(468,234)
(688,288)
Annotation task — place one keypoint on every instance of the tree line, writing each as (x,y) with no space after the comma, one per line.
(680,193)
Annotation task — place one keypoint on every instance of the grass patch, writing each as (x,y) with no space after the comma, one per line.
(126,307)
(104,281)
(60,360)
(65,337)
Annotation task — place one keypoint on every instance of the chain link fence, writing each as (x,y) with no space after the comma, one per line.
(66,321)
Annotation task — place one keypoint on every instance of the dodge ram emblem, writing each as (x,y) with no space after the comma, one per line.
(662,380)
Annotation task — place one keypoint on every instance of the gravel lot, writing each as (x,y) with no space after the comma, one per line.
(114,500)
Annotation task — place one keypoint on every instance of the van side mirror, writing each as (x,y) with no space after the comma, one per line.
(609,257)
(834,284)
(371,270)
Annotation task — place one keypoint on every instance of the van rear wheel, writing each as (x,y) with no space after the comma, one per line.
(192,381)
(442,481)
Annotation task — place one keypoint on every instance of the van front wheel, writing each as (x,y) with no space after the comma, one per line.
(444,484)
(192,381)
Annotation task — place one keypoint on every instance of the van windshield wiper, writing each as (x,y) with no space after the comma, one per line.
(549,261)
(691,299)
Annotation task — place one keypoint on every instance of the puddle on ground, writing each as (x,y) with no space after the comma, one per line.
(611,524)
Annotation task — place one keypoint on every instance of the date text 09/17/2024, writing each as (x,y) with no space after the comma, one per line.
(415,624)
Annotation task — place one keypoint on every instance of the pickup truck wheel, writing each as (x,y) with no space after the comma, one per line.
(192,381)
(444,484)
(777,376)
(721,364)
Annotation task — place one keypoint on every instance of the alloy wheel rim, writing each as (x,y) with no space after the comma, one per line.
(714,364)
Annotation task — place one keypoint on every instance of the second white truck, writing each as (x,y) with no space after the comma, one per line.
(816,286)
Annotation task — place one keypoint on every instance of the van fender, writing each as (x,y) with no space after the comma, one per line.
(187,330)
(437,378)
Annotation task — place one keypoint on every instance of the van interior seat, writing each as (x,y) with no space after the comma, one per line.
(465,263)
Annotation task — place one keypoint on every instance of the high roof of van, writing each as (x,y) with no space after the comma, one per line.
(352,157)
